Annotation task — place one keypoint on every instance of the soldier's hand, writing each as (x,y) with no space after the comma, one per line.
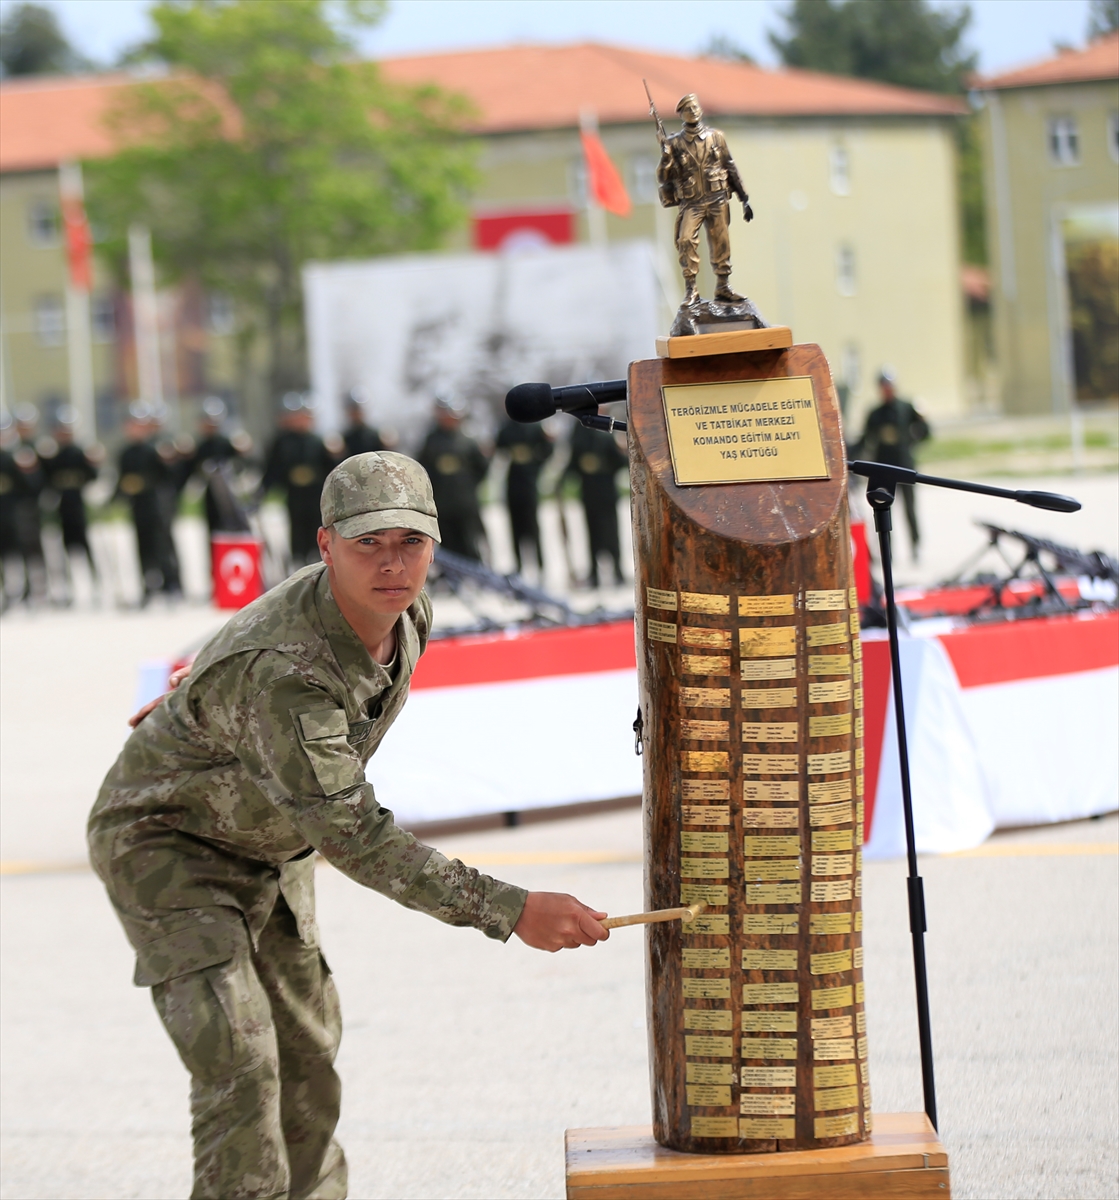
(173,682)
(747,211)
(554,921)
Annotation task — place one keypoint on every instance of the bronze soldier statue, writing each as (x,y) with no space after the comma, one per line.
(698,174)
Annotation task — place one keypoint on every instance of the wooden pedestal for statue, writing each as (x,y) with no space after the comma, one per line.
(902,1158)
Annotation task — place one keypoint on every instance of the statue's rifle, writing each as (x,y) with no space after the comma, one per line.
(662,137)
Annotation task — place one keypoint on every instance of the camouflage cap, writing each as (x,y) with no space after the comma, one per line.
(379,490)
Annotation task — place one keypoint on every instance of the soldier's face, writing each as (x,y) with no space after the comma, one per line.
(692,113)
(380,574)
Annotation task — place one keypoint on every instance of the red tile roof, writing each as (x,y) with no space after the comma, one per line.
(545,87)
(1098,60)
(48,120)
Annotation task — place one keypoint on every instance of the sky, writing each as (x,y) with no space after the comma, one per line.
(1005,32)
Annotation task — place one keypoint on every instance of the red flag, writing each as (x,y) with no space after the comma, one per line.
(79,243)
(603,180)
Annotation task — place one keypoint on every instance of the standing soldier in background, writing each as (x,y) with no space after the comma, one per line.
(298,464)
(457,465)
(529,448)
(213,451)
(892,430)
(596,460)
(359,438)
(27,513)
(149,481)
(68,470)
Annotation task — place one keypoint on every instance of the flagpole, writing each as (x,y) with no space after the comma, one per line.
(596,215)
(79,340)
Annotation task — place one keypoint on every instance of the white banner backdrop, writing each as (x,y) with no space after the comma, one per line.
(473,325)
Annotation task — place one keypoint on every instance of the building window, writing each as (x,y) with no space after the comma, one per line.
(222,317)
(103,316)
(845,270)
(839,169)
(42,223)
(644,180)
(1113,136)
(1064,141)
(50,321)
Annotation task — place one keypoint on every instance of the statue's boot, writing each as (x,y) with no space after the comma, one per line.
(691,294)
(724,293)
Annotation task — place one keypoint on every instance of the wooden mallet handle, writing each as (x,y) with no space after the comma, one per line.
(662,914)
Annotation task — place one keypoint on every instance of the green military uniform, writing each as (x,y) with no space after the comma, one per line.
(457,466)
(203,834)
(893,428)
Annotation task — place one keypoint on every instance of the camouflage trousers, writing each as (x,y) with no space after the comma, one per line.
(695,215)
(259,1035)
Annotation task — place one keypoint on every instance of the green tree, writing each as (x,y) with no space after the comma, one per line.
(1103,17)
(31,43)
(268,144)
(908,43)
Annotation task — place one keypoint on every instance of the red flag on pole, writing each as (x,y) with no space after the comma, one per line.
(603,180)
(79,244)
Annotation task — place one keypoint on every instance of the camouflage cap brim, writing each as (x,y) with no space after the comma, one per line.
(388,518)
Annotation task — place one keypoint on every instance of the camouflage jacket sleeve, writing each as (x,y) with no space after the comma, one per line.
(293,744)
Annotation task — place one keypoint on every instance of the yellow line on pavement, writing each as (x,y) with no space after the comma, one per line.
(1037,850)
(32,867)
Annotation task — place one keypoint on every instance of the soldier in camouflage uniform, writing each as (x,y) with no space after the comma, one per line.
(205,828)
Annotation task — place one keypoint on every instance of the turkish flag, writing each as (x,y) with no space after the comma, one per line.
(79,243)
(603,180)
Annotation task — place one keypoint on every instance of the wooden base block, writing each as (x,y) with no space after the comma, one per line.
(732,341)
(903,1158)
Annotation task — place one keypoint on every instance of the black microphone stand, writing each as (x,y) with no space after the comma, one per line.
(882,480)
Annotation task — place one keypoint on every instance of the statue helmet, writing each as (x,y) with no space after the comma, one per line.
(690,98)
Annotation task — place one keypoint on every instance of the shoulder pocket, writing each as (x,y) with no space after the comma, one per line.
(323,735)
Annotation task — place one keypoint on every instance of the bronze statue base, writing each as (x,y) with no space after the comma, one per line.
(715,316)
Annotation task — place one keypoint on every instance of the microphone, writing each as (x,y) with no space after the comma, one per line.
(531,402)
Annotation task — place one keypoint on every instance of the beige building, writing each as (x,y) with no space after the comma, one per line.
(1051,165)
(855,242)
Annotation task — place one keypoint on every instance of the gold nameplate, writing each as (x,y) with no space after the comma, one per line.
(835,725)
(833,1049)
(716,1127)
(772,1022)
(745,431)
(770,731)
(831,1027)
(764,868)
(829,1127)
(703,1046)
(769,1048)
(828,963)
(769,697)
(705,814)
(694,697)
(830,891)
(707,1018)
(770,818)
(771,993)
(769,1077)
(705,664)
(831,814)
(708,1072)
(661,631)
(766,1128)
(713,639)
(825,923)
(827,635)
(711,959)
(839,839)
(705,789)
(829,1099)
(766,923)
(768,960)
(775,893)
(708,1094)
(770,764)
(826,792)
(833,997)
(829,764)
(704,843)
(706,731)
(705,868)
(829,664)
(775,668)
(831,864)
(860,1022)
(704,760)
(710,923)
(766,606)
(712,894)
(768,643)
(706,989)
(829,693)
(776,790)
(704,602)
(834,600)
(763,846)
(763,1105)
(658,598)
